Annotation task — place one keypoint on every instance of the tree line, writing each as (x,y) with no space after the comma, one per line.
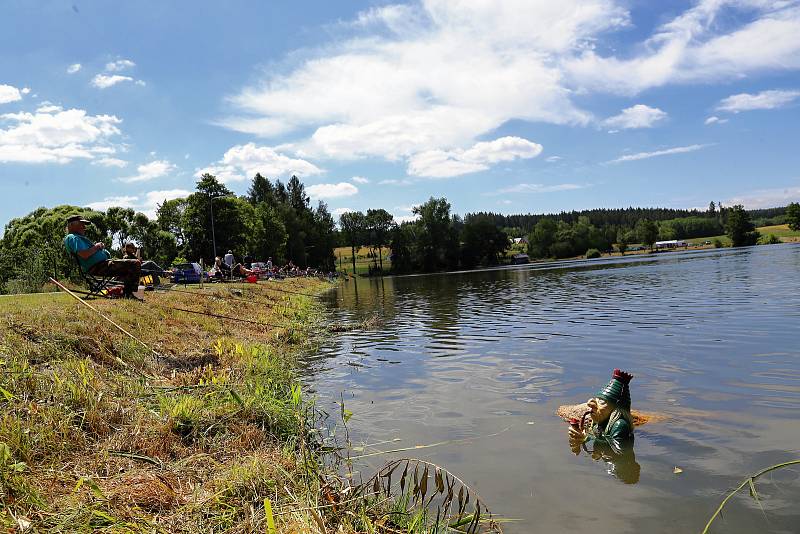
(276,220)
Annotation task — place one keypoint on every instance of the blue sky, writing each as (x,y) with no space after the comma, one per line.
(511,106)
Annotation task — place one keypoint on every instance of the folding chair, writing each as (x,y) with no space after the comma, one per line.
(100,286)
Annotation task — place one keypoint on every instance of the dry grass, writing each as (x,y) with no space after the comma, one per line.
(96,432)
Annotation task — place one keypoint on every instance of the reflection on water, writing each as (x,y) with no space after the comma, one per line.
(711,337)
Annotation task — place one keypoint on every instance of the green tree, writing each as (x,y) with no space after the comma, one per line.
(793,216)
(401,241)
(270,237)
(647,232)
(379,223)
(437,240)
(118,222)
(353,226)
(170,218)
(740,228)
(624,238)
(482,241)
(541,239)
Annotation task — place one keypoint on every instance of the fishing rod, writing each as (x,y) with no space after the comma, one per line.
(218,316)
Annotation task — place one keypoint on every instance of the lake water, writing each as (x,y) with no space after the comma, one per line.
(712,338)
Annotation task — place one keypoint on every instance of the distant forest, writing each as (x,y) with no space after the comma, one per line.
(620,217)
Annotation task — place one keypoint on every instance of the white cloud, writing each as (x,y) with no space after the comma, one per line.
(433,76)
(109,202)
(715,120)
(153,199)
(323,191)
(638,116)
(111,162)
(341,211)
(146,203)
(47,107)
(75,67)
(150,171)
(400,219)
(56,137)
(763,100)
(394,181)
(9,93)
(102,81)
(696,46)
(553,159)
(538,188)
(766,198)
(25,90)
(360,180)
(443,164)
(242,162)
(416,83)
(119,65)
(665,152)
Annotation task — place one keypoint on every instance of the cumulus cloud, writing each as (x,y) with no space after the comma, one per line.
(360,180)
(9,93)
(102,81)
(766,198)
(447,163)
(56,136)
(656,153)
(416,83)
(146,203)
(323,191)
(150,171)
(764,100)
(110,202)
(75,67)
(48,107)
(715,120)
(119,65)
(341,211)
(638,116)
(695,47)
(242,162)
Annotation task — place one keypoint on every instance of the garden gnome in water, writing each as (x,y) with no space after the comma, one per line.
(611,423)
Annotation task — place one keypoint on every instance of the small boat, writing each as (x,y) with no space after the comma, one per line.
(520,259)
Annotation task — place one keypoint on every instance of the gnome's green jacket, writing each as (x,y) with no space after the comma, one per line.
(617,436)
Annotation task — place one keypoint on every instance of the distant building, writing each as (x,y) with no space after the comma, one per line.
(672,243)
(520,240)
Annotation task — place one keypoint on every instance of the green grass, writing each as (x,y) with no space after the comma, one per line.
(780,231)
(96,432)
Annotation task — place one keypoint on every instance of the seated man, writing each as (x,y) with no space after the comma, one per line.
(228,271)
(95,260)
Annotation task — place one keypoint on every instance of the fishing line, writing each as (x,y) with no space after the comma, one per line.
(218,316)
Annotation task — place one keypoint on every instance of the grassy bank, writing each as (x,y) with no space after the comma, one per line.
(98,432)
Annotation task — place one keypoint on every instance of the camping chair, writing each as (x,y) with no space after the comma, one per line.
(100,286)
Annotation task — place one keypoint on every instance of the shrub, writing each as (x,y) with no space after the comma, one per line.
(592,253)
(717,243)
(771,239)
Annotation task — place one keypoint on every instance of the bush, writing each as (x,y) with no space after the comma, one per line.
(771,239)
(717,243)
(592,253)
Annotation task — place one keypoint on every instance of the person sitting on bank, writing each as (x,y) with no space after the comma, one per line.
(95,259)
(131,252)
(222,268)
(611,424)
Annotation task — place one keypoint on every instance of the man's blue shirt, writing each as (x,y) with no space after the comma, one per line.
(77,242)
